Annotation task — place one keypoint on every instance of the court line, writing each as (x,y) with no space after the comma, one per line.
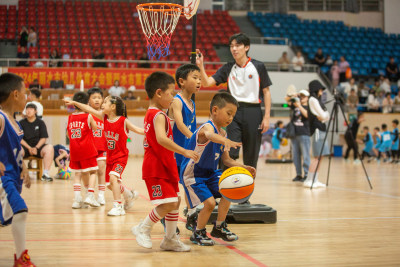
(337,219)
(364,192)
(86,239)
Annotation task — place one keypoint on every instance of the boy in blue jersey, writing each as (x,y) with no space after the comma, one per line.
(377,144)
(183,112)
(13,172)
(386,144)
(201,177)
(369,144)
(395,141)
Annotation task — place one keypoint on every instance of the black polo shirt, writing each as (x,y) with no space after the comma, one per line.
(33,131)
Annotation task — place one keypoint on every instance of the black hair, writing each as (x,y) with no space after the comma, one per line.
(157,80)
(36,92)
(120,107)
(221,99)
(366,127)
(31,105)
(9,82)
(94,90)
(278,123)
(395,121)
(384,126)
(81,97)
(376,128)
(183,72)
(240,38)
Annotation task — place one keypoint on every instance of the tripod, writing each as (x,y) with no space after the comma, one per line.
(335,128)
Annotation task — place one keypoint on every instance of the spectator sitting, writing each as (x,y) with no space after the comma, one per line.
(348,86)
(298,62)
(129,96)
(66,55)
(34,140)
(61,156)
(23,39)
(385,86)
(32,38)
(335,74)
(97,85)
(284,62)
(54,62)
(116,89)
(319,58)
(98,55)
(328,61)
(392,72)
(363,92)
(144,64)
(380,97)
(343,66)
(352,101)
(23,55)
(376,86)
(387,104)
(33,98)
(35,84)
(397,103)
(373,104)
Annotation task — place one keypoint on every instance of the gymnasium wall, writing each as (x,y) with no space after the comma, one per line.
(269,53)
(391,9)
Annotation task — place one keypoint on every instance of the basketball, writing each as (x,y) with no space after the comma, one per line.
(284,142)
(64,173)
(236,184)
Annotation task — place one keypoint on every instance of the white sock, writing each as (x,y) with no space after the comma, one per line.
(152,218)
(102,189)
(191,211)
(45,171)
(18,232)
(77,191)
(171,220)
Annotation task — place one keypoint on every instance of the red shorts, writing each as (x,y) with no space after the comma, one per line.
(162,191)
(102,155)
(115,168)
(84,165)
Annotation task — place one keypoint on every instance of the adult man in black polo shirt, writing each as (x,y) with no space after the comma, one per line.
(392,72)
(34,141)
(248,81)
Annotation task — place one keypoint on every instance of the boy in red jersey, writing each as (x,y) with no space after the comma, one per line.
(159,166)
(83,152)
(116,128)
(95,101)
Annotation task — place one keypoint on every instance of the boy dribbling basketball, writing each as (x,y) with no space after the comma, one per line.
(201,177)
(159,169)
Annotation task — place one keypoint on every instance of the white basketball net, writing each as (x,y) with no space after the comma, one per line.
(158,24)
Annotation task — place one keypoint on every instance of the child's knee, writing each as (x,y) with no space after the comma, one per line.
(209,204)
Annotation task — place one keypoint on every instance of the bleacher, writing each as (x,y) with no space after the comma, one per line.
(81,27)
(366,49)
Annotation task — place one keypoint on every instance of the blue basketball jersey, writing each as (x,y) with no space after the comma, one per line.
(11,152)
(189,119)
(209,153)
(378,142)
(395,139)
(386,139)
(369,142)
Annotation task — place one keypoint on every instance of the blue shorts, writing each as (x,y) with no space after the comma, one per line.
(11,201)
(203,189)
(276,144)
(384,147)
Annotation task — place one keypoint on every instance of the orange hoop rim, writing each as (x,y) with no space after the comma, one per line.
(146,7)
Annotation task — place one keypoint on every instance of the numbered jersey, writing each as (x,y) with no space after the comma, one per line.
(10,152)
(99,139)
(189,119)
(80,137)
(158,161)
(209,153)
(116,135)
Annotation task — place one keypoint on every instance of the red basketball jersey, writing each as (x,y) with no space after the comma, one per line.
(81,141)
(116,136)
(99,139)
(158,161)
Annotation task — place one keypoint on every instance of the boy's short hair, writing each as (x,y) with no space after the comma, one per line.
(278,123)
(240,38)
(36,92)
(221,99)
(157,80)
(366,127)
(395,121)
(376,128)
(9,82)
(94,90)
(384,126)
(31,105)
(183,71)
(81,97)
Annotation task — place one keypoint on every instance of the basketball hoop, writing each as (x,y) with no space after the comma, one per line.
(158,22)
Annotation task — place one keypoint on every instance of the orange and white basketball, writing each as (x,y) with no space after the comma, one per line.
(236,184)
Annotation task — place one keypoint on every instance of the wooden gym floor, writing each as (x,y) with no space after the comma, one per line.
(346,224)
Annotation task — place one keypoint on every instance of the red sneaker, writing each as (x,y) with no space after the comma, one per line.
(23,261)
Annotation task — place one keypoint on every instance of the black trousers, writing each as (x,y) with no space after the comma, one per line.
(351,145)
(245,129)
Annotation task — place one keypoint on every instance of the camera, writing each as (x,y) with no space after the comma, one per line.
(294,99)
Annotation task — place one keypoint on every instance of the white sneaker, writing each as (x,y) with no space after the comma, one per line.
(77,204)
(317,184)
(142,233)
(356,162)
(117,210)
(89,200)
(101,200)
(174,244)
(130,201)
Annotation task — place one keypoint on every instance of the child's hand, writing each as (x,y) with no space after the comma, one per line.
(2,169)
(190,154)
(252,170)
(68,101)
(229,144)
(26,178)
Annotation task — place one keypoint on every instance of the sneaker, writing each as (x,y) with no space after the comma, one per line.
(23,261)
(129,201)
(317,184)
(142,233)
(101,200)
(247,202)
(304,178)
(174,244)
(117,210)
(162,221)
(47,178)
(356,162)
(298,178)
(185,211)
(200,237)
(191,221)
(223,232)
(77,204)
(91,201)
